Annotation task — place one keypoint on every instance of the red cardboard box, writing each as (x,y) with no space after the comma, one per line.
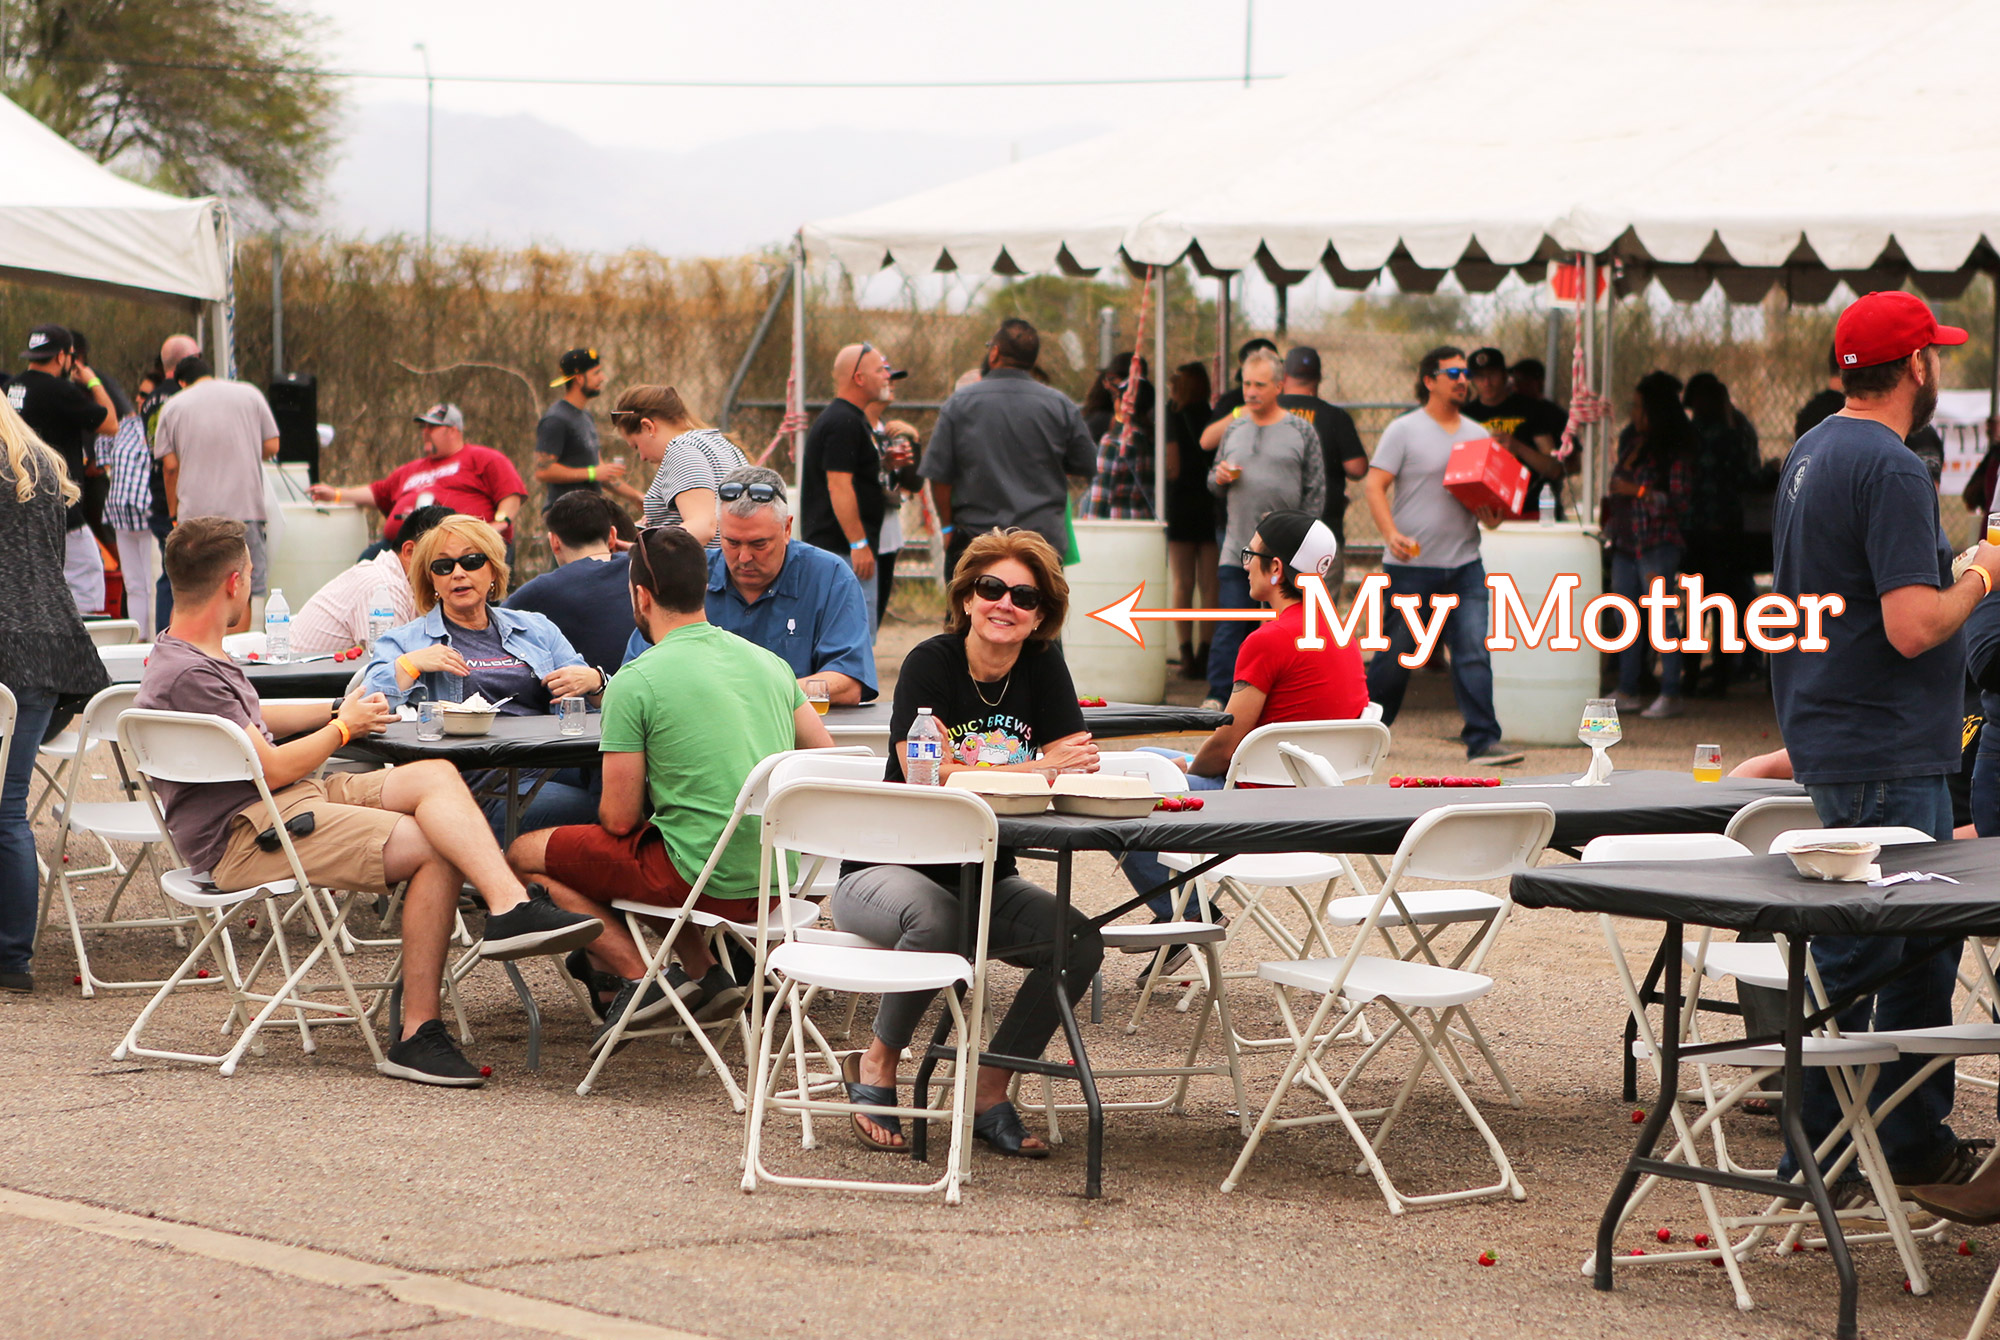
(1482,473)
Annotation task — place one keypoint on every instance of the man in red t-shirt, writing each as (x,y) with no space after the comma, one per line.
(464,476)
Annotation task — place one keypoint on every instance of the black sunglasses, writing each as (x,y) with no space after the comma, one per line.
(990,588)
(1453,374)
(472,562)
(758,492)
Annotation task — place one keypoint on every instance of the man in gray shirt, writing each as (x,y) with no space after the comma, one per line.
(1002,448)
(1268,461)
(1430,548)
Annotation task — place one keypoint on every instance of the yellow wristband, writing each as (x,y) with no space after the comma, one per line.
(1236,413)
(93,383)
(1985,577)
(590,473)
(408,667)
(345,734)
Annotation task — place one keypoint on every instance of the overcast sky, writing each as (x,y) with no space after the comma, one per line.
(886,40)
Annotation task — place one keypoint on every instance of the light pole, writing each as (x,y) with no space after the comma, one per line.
(430,120)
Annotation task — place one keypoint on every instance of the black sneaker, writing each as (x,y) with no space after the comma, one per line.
(537,926)
(651,1004)
(595,981)
(686,987)
(1496,756)
(17,981)
(429,1056)
(721,996)
(1953,1166)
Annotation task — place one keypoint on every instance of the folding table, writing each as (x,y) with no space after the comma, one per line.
(868,723)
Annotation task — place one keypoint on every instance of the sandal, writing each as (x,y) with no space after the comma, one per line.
(879,1095)
(1000,1127)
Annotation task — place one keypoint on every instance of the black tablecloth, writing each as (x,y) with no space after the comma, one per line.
(513,742)
(1766,893)
(312,679)
(1375,818)
(1113,721)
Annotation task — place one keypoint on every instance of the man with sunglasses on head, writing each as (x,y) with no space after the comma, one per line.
(790,598)
(1430,547)
(841,500)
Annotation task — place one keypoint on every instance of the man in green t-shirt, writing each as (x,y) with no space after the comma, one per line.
(684,724)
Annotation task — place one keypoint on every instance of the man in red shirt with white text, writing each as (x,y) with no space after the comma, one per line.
(464,476)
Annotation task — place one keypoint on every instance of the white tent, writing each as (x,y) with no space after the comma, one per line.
(1754,141)
(67,221)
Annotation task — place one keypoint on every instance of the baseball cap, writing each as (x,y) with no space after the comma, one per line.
(575,363)
(1488,359)
(1304,541)
(444,414)
(1303,363)
(1883,327)
(45,342)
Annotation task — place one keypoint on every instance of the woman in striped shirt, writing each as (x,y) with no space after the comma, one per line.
(690,458)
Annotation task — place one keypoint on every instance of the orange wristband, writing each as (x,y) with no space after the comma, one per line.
(345,734)
(1985,577)
(408,667)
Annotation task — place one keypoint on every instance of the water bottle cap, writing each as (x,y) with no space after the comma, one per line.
(923,711)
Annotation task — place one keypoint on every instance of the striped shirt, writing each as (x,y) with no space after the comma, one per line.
(700,459)
(130,463)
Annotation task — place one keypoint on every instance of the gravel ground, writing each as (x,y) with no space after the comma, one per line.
(625,1203)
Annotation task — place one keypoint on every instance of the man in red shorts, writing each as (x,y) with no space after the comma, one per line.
(684,724)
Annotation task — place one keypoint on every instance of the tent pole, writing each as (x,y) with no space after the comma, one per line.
(1222,334)
(798,362)
(1284,309)
(1552,351)
(1609,443)
(1993,404)
(1587,306)
(277,305)
(1160,398)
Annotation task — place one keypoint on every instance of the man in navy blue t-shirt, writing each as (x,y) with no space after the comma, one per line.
(1873,721)
(586,595)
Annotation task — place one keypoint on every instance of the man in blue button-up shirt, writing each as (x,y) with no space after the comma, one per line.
(788,597)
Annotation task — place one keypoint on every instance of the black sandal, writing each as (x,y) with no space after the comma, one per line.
(1000,1127)
(879,1095)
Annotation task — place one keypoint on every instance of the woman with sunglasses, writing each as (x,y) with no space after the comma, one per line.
(997,684)
(464,643)
(691,458)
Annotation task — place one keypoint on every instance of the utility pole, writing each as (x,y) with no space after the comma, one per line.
(430,123)
(1249,11)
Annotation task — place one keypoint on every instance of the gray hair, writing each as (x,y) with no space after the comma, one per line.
(747,506)
(1276,363)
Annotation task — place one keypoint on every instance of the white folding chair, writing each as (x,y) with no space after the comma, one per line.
(1455,843)
(887,823)
(195,748)
(108,821)
(1761,822)
(112,632)
(750,799)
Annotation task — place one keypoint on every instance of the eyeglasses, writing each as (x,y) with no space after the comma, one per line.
(472,562)
(759,492)
(1248,553)
(991,589)
(1455,374)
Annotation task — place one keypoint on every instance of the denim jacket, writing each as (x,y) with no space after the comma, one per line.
(527,635)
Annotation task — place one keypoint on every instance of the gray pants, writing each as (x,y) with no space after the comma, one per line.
(895,905)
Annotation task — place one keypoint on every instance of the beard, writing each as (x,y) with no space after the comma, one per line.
(592,392)
(1924,405)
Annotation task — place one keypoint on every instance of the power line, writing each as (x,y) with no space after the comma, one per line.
(326,72)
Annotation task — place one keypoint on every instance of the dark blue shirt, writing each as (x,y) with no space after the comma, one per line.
(1857,516)
(813,617)
(590,601)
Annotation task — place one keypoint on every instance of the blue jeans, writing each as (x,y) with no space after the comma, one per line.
(1143,868)
(20,881)
(163,595)
(1632,577)
(1986,771)
(1914,1134)
(1464,636)
(564,799)
(1226,639)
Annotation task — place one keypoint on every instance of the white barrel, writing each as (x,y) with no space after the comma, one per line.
(1539,694)
(1117,556)
(319,541)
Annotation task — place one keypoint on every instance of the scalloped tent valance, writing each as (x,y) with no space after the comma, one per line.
(1747,142)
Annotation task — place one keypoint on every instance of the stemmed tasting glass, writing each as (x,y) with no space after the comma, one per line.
(1600,730)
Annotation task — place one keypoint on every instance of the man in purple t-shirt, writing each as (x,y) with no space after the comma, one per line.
(369,830)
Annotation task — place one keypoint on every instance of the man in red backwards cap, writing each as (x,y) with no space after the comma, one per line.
(1872,722)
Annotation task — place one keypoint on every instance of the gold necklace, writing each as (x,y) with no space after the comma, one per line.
(993,702)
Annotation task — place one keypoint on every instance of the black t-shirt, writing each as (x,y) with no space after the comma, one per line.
(568,435)
(1818,408)
(1527,418)
(149,410)
(1008,722)
(1227,403)
(1338,443)
(840,439)
(65,416)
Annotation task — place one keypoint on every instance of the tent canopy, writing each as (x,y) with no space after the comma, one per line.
(65,219)
(1753,142)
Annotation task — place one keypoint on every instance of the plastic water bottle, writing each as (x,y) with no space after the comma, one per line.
(381,612)
(1548,505)
(923,751)
(277,627)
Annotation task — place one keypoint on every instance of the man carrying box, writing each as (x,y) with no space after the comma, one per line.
(1431,548)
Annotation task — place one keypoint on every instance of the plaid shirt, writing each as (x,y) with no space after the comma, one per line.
(1634,525)
(130,463)
(1122,489)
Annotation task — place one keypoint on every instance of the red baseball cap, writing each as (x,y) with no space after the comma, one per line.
(1883,327)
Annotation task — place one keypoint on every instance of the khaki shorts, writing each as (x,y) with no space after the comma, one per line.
(344,850)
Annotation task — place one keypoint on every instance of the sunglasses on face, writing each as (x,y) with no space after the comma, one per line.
(762,493)
(1455,374)
(990,589)
(472,562)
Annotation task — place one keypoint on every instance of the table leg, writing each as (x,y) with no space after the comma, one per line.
(1093,1177)
(1790,1118)
(1669,963)
(533,1011)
